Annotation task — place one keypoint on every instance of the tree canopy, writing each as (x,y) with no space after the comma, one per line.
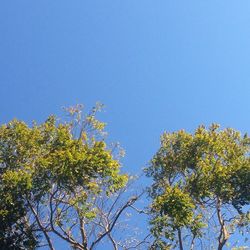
(200,180)
(51,176)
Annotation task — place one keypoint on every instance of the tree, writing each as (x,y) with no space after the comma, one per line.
(60,179)
(200,181)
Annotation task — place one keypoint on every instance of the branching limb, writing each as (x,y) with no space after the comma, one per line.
(41,226)
(112,224)
(65,236)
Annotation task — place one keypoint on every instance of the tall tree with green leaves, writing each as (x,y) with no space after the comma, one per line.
(59,180)
(201,188)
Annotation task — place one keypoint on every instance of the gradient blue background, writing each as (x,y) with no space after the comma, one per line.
(156,65)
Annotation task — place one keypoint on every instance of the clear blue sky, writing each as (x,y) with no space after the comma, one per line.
(156,65)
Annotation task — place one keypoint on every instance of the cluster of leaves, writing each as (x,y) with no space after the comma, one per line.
(196,173)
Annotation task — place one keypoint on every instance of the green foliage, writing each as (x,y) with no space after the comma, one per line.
(176,205)
(194,174)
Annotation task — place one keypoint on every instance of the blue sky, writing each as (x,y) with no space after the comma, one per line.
(156,65)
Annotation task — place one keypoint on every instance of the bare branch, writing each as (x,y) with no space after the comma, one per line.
(140,211)
(140,243)
(180,239)
(113,242)
(192,243)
